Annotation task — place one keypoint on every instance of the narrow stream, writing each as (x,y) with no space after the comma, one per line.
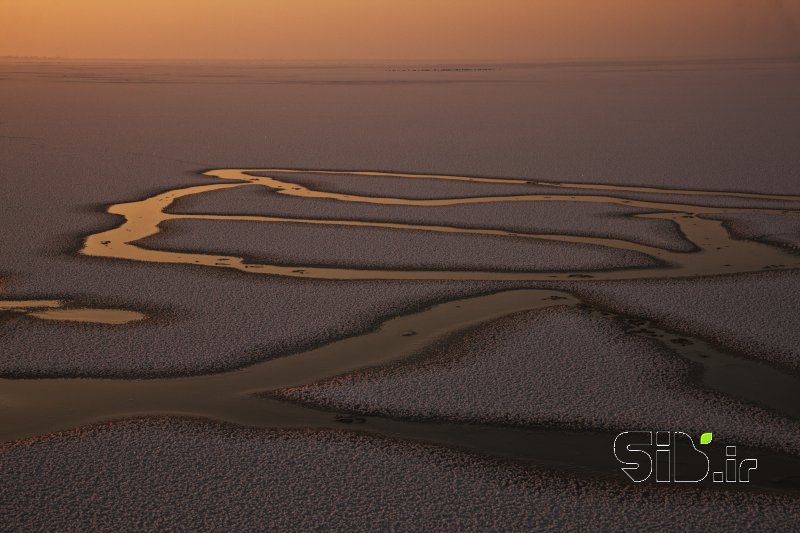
(40,406)
(30,407)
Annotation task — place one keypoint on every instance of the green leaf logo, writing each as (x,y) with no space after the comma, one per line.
(706,437)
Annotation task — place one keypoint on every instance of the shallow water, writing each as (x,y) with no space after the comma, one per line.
(39,406)
(56,310)
(716,251)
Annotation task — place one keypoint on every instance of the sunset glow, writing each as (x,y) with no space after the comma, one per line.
(412,29)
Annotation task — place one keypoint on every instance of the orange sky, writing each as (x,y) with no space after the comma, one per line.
(400,29)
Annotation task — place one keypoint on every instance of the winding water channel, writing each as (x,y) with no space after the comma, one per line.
(33,407)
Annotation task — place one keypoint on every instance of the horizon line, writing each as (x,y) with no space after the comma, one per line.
(572,59)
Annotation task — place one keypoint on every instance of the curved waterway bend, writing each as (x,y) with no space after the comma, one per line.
(39,406)
(246,396)
(716,251)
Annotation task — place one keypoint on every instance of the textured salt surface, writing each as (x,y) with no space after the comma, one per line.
(754,314)
(424,189)
(728,126)
(71,143)
(202,319)
(559,366)
(361,247)
(420,189)
(596,220)
(775,229)
(186,476)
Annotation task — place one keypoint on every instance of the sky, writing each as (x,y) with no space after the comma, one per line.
(477,30)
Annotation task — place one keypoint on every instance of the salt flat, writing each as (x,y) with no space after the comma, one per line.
(550,217)
(185,475)
(753,314)
(560,366)
(77,137)
(384,248)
